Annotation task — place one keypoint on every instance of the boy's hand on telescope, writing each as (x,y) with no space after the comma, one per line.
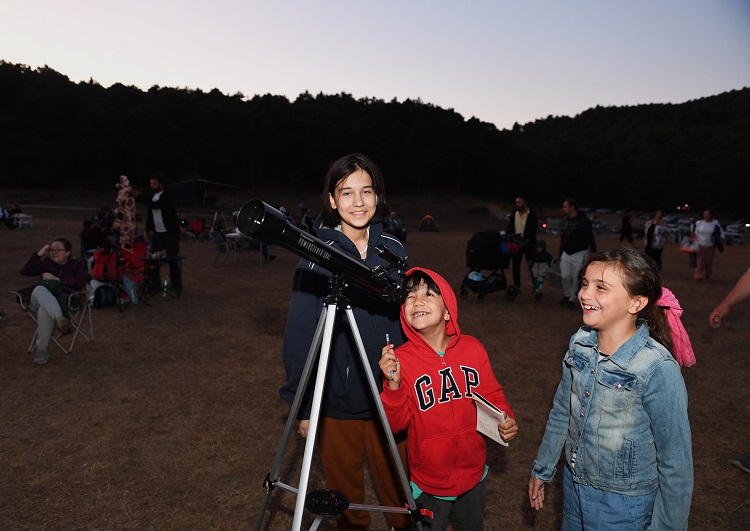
(508,429)
(390,367)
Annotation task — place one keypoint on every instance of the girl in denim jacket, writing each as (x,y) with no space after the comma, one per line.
(620,410)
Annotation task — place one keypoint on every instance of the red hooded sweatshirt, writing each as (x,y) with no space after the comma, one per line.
(447,456)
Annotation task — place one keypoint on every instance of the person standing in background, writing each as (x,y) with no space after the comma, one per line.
(656,237)
(575,242)
(163,227)
(522,223)
(707,233)
(626,229)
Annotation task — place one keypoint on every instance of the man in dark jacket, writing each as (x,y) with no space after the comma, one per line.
(576,241)
(522,223)
(163,227)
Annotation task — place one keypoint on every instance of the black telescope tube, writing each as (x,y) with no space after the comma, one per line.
(263,222)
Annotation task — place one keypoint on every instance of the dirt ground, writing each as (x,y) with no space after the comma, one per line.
(171,418)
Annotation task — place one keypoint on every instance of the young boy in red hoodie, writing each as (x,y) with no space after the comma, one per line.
(429,384)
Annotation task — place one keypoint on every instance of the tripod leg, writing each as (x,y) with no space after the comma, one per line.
(273,476)
(330,319)
(321,346)
(381,413)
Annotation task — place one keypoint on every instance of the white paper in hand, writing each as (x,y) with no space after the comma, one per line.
(488,417)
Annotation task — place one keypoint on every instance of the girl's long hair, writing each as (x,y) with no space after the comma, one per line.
(641,278)
(343,168)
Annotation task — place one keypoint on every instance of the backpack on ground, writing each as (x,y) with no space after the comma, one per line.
(104,296)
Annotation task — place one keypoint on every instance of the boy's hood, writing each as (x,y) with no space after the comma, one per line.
(449,298)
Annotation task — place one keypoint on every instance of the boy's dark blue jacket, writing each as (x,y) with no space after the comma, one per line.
(347,394)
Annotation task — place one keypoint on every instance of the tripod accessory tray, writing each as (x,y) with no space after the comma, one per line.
(326,502)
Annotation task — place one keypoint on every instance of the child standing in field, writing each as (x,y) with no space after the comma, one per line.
(430,381)
(620,410)
(353,206)
(539,262)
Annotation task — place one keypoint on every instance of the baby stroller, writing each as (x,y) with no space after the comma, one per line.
(489,251)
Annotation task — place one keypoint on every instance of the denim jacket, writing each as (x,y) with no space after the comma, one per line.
(624,424)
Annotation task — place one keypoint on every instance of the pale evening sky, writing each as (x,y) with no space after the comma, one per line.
(499,61)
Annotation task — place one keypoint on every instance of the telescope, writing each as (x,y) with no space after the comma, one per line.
(261,221)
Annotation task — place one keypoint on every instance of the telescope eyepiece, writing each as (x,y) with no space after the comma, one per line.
(392,258)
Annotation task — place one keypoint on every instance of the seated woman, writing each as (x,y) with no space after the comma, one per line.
(53,263)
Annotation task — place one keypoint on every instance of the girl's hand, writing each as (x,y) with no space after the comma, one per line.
(536,493)
(508,429)
(390,367)
(49,276)
(44,251)
(718,314)
(302,427)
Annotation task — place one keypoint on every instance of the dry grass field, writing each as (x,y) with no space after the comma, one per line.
(171,418)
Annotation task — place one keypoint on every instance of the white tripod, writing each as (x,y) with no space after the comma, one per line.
(329,502)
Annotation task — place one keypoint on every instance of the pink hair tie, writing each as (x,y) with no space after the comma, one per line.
(681,346)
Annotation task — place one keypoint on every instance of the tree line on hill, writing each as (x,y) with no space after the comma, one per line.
(56,133)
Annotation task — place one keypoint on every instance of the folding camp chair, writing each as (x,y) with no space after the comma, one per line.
(199,228)
(133,273)
(124,272)
(236,245)
(81,320)
(224,247)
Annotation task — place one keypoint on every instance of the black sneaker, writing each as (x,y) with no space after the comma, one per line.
(743,463)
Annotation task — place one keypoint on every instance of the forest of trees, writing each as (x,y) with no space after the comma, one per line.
(57,133)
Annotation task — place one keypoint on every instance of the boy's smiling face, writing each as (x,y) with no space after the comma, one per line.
(425,310)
